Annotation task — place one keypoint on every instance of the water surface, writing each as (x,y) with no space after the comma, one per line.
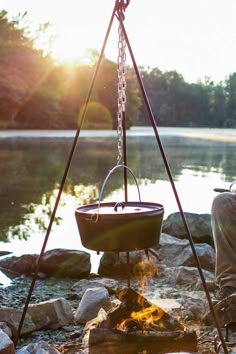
(33,163)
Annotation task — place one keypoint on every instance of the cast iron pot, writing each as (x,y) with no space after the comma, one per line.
(122,226)
(119,226)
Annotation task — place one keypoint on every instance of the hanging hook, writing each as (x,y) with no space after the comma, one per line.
(121,6)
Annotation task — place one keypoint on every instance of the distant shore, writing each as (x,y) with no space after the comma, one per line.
(198,133)
(227,135)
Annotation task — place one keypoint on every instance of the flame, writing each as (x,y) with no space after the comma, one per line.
(148,315)
(145,318)
(137,313)
(145,270)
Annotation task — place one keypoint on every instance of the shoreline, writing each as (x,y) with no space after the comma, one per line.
(227,135)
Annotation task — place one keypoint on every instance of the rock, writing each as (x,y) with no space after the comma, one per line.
(166,274)
(40,347)
(6,345)
(170,246)
(12,318)
(171,252)
(14,266)
(199,226)
(139,265)
(62,263)
(82,285)
(174,252)
(6,329)
(52,314)
(4,253)
(187,278)
(92,301)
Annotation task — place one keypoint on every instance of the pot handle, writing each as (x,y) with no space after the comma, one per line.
(110,173)
(119,204)
(94,217)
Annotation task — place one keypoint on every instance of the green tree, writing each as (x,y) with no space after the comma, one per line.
(105,91)
(217,106)
(37,93)
(231,101)
(22,69)
(155,88)
(197,105)
(97,116)
(11,33)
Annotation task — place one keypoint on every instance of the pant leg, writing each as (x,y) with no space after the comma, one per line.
(223,216)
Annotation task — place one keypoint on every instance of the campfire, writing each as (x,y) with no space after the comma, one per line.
(137,326)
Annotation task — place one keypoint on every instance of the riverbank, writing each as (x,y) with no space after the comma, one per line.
(228,135)
(168,278)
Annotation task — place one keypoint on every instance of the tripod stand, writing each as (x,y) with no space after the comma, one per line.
(118,12)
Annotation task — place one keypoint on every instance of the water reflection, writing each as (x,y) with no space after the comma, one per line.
(32,170)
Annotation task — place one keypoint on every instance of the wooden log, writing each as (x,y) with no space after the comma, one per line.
(137,312)
(103,340)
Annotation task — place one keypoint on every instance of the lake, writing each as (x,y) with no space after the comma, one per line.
(33,163)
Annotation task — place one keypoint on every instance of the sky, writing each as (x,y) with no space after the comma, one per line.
(197,38)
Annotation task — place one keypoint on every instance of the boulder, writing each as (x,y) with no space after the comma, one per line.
(92,301)
(170,245)
(139,264)
(50,314)
(171,252)
(6,344)
(60,263)
(14,266)
(4,253)
(187,278)
(12,318)
(65,263)
(174,252)
(82,285)
(199,226)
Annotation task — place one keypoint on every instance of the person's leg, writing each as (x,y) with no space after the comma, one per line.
(223,215)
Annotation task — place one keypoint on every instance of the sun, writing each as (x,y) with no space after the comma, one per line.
(67,50)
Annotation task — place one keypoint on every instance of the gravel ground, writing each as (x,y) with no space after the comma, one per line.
(68,340)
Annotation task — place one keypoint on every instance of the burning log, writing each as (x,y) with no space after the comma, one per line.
(136,312)
(104,340)
(137,326)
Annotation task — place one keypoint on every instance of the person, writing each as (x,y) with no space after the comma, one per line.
(223,220)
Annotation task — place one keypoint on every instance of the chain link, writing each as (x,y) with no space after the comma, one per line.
(121,90)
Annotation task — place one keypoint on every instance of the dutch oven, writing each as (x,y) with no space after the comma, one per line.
(121,226)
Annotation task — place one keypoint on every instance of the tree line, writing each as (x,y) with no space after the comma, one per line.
(37,93)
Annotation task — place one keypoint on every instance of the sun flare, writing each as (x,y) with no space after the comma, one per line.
(70,52)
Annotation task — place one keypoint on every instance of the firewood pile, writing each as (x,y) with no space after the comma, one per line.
(137,326)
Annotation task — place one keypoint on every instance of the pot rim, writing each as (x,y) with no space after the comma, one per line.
(147,208)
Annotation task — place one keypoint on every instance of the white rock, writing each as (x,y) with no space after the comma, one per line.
(92,301)
(6,345)
(53,314)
